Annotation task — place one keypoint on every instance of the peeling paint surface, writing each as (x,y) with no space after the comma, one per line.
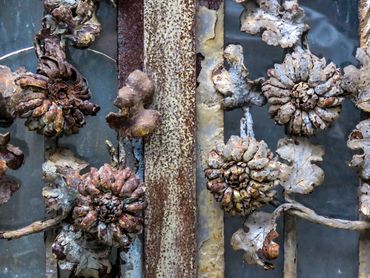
(170,59)
(210,122)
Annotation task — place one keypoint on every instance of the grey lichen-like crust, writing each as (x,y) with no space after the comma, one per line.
(302,176)
(356,80)
(280,24)
(364,198)
(257,242)
(359,140)
(78,252)
(242,174)
(60,173)
(233,83)
(304,93)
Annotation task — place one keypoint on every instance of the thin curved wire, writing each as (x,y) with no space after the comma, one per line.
(31,48)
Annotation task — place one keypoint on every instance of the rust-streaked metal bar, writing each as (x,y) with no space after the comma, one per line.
(130,28)
(290,247)
(130,23)
(170,59)
(210,124)
(364,239)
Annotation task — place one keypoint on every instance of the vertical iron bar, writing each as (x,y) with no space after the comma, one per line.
(170,59)
(131,57)
(210,125)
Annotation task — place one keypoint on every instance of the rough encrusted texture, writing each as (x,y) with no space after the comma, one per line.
(364,198)
(109,205)
(359,140)
(73,20)
(302,176)
(356,81)
(210,123)
(56,99)
(10,157)
(242,174)
(170,153)
(61,176)
(233,82)
(133,119)
(78,252)
(304,93)
(7,89)
(257,240)
(280,24)
(130,37)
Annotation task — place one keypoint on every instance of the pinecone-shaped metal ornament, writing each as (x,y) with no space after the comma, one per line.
(242,174)
(304,93)
(109,205)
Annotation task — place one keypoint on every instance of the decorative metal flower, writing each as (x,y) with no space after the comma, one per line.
(304,93)
(110,205)
(55,100)
(74,20)
(242,174)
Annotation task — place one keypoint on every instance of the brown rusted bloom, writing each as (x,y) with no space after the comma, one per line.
(134,120)
(304,93)
(10,157)
(242,174)
(110,203)
(55,100)
(73,20)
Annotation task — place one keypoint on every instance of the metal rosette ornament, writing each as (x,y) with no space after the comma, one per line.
(304,93)
(242,175)
(110,203)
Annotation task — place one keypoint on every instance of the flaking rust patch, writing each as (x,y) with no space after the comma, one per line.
(210,121)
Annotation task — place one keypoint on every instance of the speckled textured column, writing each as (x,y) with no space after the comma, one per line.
(170,59)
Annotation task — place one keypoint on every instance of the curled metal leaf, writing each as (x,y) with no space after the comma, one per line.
(8,186)
(302,175)
(134,120)
(78,252)
(73,20)
(356,80)
(279,22)
(7,89)
(10,157)
(257,239)
(233,83)
(359,140)
(61,170)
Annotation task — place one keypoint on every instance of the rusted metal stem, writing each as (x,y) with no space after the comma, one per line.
(301,211)
(36,227)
